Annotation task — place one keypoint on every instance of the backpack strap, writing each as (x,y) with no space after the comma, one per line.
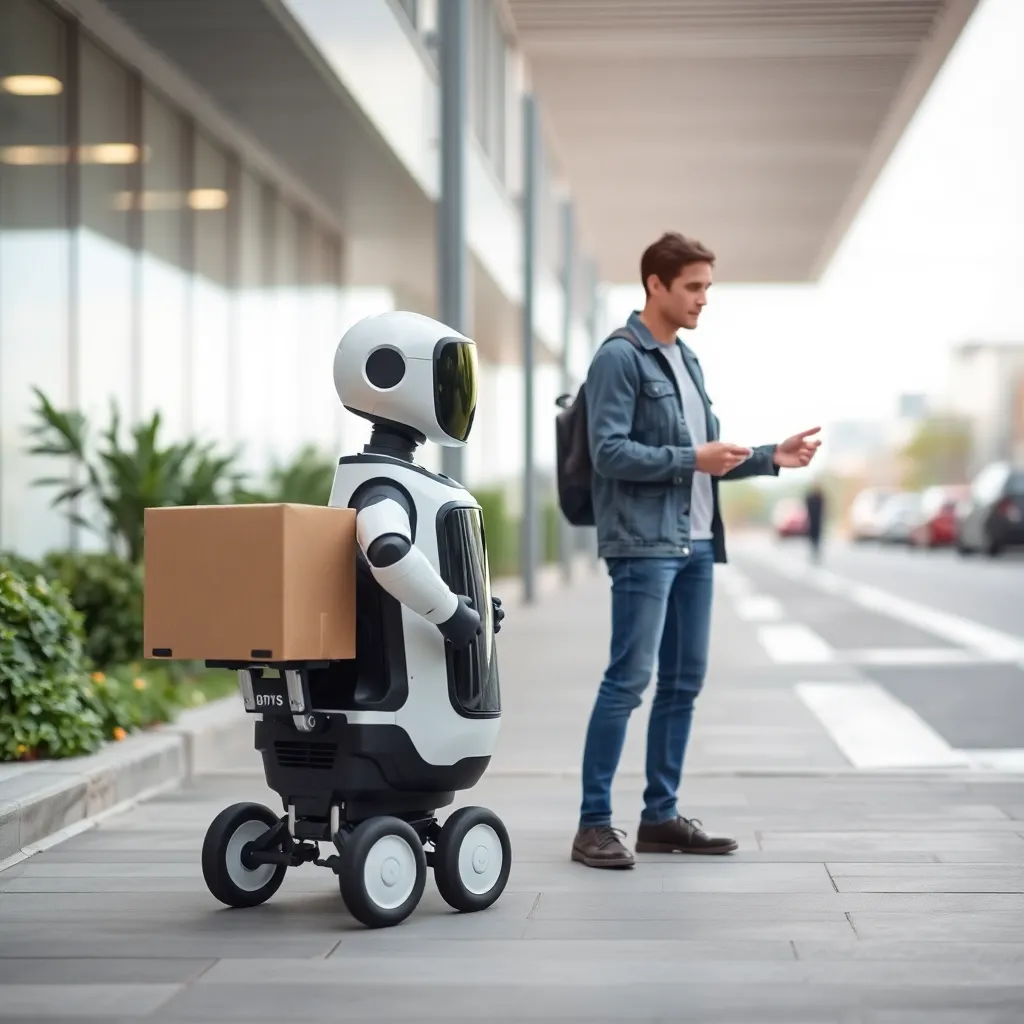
(565,401)
(623,332)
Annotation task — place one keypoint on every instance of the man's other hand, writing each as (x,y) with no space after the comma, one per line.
(797,451)
(718,457)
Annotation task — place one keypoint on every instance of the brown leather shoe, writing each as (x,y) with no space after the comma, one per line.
(680,836)
(601,848)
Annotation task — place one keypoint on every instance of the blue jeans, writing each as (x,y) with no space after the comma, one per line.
(663,606)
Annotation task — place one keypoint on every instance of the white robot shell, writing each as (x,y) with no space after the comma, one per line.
(408,370)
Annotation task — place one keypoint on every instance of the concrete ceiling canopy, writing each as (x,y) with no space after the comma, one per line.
(757,126)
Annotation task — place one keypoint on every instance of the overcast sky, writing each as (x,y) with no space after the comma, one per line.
(935,257)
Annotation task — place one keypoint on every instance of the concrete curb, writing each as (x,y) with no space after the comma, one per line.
(44,802)
(43,799)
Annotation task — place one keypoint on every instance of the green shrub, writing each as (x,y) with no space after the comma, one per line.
(551,524)
(24,567)
(500,530)
(305,480)
(127,701)
(45,709)
(108,592)
(133,697)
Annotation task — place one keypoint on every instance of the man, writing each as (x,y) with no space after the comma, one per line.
(657,460)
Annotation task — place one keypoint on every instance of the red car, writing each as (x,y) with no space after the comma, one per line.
(937,525)
(790,519)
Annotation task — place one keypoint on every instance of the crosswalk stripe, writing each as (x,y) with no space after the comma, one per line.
(793,643)
(875,730)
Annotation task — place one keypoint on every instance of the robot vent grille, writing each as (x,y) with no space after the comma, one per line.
(303,754)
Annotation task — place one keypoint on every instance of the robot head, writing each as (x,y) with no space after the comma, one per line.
(409,371)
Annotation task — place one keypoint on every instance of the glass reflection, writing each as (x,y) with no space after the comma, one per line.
(286,329)
(255,370)
(321,301)
(34,250)
(162,272)
(211,303)
(105,265)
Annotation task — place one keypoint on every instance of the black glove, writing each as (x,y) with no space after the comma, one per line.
(499,613)
(460,629)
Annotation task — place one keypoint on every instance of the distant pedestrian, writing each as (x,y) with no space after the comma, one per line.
(815,505)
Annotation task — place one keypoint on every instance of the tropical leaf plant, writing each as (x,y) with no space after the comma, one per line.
(121,482)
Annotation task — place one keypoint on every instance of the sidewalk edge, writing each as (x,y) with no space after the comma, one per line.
(69,795)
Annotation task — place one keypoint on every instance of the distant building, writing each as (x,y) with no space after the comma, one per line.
(857,448)
(986,388)
(912,407)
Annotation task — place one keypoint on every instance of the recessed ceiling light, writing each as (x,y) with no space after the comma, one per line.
(208,199)
(32,85)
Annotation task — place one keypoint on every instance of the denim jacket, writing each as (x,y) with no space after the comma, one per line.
(642,452)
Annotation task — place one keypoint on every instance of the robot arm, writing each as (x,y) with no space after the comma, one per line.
(384,535)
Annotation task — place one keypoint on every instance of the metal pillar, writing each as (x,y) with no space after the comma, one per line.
(592,306)
(565,530)
(453,32)
(528,554)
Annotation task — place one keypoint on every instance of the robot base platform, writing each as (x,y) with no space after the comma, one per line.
(363,788)
(381,861)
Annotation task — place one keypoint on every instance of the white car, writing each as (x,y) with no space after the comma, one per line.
(865,519)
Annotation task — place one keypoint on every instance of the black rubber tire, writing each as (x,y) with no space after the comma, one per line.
(351,871)
(449,880)
(217,851)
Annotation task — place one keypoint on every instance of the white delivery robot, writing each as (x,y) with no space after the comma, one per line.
(364,752)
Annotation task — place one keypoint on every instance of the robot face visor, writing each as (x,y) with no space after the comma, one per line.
(455,386)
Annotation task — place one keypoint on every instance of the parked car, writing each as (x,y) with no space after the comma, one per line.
(864,520)
(936,523)
(991,517)
(789,518)
(898,516)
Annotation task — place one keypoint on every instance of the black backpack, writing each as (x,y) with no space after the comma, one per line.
(573,467)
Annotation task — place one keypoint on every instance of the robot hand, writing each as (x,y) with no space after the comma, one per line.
(460,629)
(499,613)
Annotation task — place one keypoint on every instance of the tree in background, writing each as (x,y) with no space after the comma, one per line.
(938,453)
(744,503)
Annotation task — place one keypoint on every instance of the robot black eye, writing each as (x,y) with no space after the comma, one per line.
(385,368)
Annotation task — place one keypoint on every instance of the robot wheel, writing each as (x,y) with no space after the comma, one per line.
(231,874)
(472,859)
(383,866)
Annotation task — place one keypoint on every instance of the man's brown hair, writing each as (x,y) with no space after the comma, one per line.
(669,254)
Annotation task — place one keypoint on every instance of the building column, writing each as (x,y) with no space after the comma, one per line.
(528,552)
(453,32)
(565,530)
(592,321)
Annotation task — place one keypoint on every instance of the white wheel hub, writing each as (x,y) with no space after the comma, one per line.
(480,859)
(245,878)
(389,874)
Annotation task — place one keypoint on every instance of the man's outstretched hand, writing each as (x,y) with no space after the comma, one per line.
(719,457)
(797,451)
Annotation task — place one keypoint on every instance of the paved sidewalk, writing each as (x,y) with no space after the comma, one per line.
(853,898)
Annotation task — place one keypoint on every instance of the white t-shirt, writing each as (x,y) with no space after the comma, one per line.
(702,500)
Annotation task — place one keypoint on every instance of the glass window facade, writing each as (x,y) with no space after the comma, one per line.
(35,251)
(143,262)
(488,82)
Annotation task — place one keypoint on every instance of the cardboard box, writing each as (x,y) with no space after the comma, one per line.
(250,582)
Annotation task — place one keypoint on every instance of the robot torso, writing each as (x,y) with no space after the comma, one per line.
(446,525)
